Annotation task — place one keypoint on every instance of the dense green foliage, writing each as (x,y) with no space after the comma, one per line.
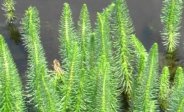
(122,31)
(164,88)
(40,88)
(145,93)
(105,69)
(176,103)
(140,56)
(171,20)
(11,95)
(71,58)
(106,82)
(86,95)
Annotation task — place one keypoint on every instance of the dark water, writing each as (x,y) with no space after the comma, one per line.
(145,15)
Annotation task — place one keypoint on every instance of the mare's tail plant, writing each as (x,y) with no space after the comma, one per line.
(41,90)
(11,96)
(122,31)
(9,8)
(98,67)
(171,19)
(85,94)
(144,99)
(106,82)
(176,103)
(164,89)
(71,57)
(140,58)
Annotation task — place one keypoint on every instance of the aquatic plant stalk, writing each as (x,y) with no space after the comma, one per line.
(11,94)
(106,82)
(140,55)
(86,85)
(122,31)
(171,19)
(176,99)
(40,87)
(140,58)
(145,93)
(9,8)
(164,89)
(69,50)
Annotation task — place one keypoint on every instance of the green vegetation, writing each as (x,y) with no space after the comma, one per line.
(177,97)
(11,94)
(145,92)
(103,69)
(9,8)
(86,83)
(106,82)
(164,88)
(70,52)
(40,87)
(171,19)
(123,30)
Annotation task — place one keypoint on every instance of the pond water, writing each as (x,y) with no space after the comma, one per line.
(144,13)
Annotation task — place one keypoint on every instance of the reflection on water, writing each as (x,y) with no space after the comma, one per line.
(14,33)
